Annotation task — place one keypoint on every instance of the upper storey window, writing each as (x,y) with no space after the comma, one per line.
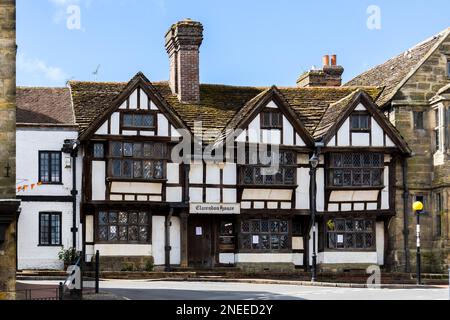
(360,122)
(356,170)
(145,161)
(50,167)
(281,172)
(138,120)
(271,119)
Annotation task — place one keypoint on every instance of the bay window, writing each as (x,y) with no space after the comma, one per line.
(135,160)
(283,173)
(356,169)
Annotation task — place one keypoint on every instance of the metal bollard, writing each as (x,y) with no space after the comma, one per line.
(61,291)
(97,272)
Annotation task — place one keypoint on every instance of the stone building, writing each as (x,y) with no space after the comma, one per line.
(416,99)
(8,204)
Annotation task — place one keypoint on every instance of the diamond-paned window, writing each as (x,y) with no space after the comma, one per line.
(349,233)
(123,227)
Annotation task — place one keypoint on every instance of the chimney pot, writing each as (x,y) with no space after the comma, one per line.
(326,60)
(334,60)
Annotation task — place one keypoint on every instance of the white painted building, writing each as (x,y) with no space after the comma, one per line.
(44,177)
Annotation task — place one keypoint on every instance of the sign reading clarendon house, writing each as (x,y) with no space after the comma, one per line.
(215,208)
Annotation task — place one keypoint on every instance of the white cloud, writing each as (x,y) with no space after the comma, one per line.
(36,70)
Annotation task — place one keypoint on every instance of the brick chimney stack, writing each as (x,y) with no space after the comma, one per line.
(183,41)
(329,76)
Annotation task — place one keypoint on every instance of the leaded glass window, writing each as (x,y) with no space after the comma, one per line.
(140,121)
(130,160)
(123,226)
(356,169)
(350,233)
(265,234)
(257,173)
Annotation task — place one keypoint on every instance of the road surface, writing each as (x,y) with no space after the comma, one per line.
(174,290)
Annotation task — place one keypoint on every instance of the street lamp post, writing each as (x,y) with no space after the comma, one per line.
(418,207)
(314,161)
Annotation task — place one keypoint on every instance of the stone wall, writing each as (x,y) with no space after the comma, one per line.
(7,138)
(423,177)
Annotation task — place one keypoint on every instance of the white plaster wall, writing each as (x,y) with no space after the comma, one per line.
(299,141)
(175,241)
(377,134)
(288,132)
(344,134)
(133,100)
(332,142)
(227,258)
(229,196)
(173,173)
(158,239)
(144,100)
(267,194)
(124,250)
(254,130)
(302,193)
(174,194)
(271,136)
(98,180)
(115,123)
(360,139)
(196,173)
(380,243)
(103,130)
(136,187)
(295,258)
(347,257)
(163,126)
(29,143)
(320,178)
(195,195)
(213,195)
(90,229)
(385,192)
(212,174)
(30,254)
(229,174)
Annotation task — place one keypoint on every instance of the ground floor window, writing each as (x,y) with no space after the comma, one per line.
(50,228)
(123,227)
(264,235)
(350,233)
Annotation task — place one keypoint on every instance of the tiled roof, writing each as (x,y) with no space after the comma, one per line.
(332,114)
(92,99)
(44,106)
(394,72)
(220,107)
(310,104)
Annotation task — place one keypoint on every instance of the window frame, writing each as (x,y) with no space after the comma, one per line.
(133,159)
(51,214)
(97,226)
(365,219)
(60,182)
(439,211)
(271,111)
(416,123)
(331,169)
(242,234)
(152,113)
(264,183)
(359,114)
(438,129)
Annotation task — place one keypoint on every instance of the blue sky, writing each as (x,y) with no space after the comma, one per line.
(247,42)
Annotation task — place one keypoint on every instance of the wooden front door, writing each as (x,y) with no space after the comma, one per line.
(200,242)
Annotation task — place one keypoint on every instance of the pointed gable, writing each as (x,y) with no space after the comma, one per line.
(137,110)
(268,118)
(355,121)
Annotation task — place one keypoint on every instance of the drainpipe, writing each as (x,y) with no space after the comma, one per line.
(71,147)
(406,214)
(168,248)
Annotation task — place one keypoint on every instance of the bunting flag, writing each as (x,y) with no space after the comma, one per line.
(26,187)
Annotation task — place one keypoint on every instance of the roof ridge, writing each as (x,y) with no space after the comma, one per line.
(32,87)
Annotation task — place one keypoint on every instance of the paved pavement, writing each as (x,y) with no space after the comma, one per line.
(174,290)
